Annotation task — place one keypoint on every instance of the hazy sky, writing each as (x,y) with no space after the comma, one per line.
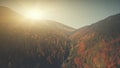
(75,13)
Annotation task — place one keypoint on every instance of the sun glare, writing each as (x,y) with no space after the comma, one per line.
(34,14)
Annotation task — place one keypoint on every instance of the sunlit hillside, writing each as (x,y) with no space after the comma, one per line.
(96,46)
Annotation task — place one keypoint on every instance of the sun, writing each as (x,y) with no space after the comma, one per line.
(34,14)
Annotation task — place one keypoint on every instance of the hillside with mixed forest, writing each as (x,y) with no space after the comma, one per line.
(26,43)
(96,45)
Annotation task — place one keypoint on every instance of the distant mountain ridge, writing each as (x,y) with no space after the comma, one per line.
(110,24)
(8,14)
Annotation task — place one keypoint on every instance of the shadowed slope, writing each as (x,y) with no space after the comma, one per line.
(31,44)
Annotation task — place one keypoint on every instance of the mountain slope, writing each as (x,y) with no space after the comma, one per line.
(96,46)
(8,15)
(31,44)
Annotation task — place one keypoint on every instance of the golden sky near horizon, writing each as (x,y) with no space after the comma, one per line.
(75,13)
